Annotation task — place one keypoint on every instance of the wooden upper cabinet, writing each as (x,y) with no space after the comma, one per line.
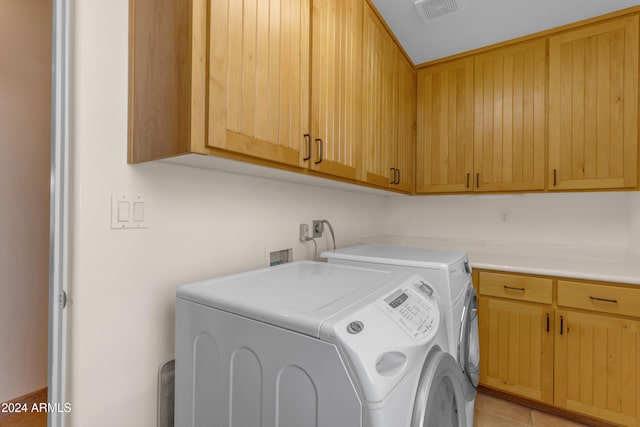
(444,153)
(336,87)
(388,108)
(593,106)
(379,102)
(509,130)
(167,75)
(405,150)
(259,78)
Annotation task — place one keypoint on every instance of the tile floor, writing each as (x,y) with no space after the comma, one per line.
(494,412)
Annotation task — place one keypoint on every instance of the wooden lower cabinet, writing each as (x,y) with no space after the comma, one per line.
(597,366)
(516,348)
(578,350)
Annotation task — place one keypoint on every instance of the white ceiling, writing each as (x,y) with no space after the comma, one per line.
(480,23)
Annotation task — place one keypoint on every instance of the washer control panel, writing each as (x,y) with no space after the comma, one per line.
(414,308)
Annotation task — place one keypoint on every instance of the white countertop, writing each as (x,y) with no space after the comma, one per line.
(608,264)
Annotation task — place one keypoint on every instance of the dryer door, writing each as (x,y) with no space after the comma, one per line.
(440,396)
(468,343)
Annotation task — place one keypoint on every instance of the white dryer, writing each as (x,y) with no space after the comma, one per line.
(449,273)
(314,344)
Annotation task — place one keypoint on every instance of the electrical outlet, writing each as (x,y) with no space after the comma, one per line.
(505,215)
(304,232)
(318,228)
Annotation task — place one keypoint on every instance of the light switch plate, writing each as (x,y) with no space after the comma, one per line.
(129,211)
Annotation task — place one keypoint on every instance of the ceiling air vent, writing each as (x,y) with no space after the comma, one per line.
(431,9)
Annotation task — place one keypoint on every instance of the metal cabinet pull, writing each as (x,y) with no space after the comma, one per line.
(477,180)
(555,177)
(614,301)
(396,176)
(319,141)
(512,288)
(308,138)
(547,322)
(561,324)
(468,177)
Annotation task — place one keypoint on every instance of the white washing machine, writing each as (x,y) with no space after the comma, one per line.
(449,273)
(314,344)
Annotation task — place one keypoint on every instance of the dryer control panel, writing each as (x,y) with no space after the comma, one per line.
(414,308)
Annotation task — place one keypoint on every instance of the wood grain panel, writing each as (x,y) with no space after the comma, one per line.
(593,106)
(597,366)
(509,130)
(405,152)
(258,78)
(336,84)
(388,108)
(516,349)
(516,286)
(160,79)
(379,102)
(597,297)
(444,147)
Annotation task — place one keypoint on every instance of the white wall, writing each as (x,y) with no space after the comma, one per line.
(25,93)
(634,221)
(600,219)
(203,224)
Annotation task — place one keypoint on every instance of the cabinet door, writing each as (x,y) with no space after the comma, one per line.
(444,150)
(593,106)
(597,366)
(336,87)
(379,102)
(516,348)
(509,131)
(259,77)
(405,141)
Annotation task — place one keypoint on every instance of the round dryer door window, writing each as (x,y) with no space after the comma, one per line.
(440,396)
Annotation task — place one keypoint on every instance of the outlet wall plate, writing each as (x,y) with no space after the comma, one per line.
(304,232)
(318,228)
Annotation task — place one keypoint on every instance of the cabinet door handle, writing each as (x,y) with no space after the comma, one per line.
(468,177)
(614,301)
(477,180)
(393,176)
(513,288)
(308,138)
(555,177)
(561,324)
(398,178)
(547,322)
(319,141)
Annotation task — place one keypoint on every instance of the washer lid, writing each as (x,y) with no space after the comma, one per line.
(297,296)
(398,255)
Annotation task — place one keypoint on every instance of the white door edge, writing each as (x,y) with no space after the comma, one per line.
(58,231)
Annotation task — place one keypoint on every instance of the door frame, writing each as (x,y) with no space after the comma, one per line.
(59,211)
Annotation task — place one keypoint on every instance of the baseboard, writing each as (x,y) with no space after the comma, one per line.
(38,396)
